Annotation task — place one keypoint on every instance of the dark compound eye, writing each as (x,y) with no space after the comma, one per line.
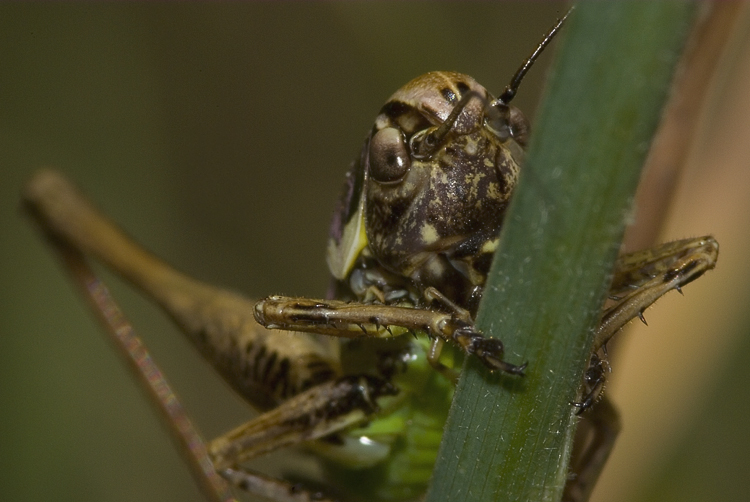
(389,159)
(519,126)
(507,122)
(497,118)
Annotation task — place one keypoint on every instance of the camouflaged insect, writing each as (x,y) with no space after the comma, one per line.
(415,215)
(410,246)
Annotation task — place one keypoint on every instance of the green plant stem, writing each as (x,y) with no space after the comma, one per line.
(509,438)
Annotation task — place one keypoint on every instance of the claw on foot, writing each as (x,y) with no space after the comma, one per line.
(490,352)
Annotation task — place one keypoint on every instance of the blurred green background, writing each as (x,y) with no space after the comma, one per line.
(218,135)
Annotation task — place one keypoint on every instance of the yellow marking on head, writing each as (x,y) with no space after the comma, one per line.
(493,192)
(429,234)
(473,180)
(489,246)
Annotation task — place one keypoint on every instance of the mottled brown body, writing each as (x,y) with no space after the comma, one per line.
(432,214)
(410,247)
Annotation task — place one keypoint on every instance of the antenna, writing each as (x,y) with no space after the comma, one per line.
(510,90)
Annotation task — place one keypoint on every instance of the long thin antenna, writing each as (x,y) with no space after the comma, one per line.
(510,90)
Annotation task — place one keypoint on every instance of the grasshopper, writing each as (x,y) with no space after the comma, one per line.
(409,250)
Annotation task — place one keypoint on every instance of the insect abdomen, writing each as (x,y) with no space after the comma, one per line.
(413,431)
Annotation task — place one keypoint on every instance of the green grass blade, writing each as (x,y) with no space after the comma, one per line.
(509,438)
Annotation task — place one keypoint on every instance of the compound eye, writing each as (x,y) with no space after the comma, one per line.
(389,159)
(519,126)
(497,120)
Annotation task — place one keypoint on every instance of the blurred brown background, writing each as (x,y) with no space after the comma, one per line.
(219,136)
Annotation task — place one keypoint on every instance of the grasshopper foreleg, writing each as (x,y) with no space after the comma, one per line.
(639,280)
(355,320)
(642,277)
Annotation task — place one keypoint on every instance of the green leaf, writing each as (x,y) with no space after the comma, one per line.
(509,438)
